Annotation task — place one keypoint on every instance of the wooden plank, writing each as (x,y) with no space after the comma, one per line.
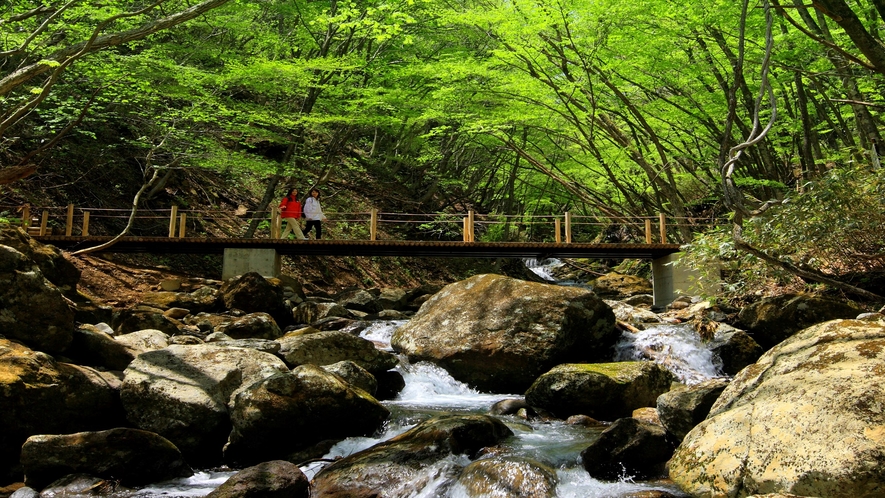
(373,225)
(648,237)
(85,231)
(568,227)
(182,225)
(557,229)
(26,217)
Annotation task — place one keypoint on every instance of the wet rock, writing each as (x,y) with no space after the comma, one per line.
(32,309)
(290,411)
(498,334)
(83,486)
(406,462)
(506,477)
(131,456)
(682,409)
(390,383)
(809,413)
(508,407)
(263,345)
(274,479)
(605,391)
(333,323)
(628,447)
(183,392)
(326,348)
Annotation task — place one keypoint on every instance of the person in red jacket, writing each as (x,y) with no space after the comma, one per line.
(290,211)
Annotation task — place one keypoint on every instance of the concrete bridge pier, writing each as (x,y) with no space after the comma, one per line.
(238,261)
(671,279)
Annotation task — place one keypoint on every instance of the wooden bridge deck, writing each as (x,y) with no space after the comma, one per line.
(332,247)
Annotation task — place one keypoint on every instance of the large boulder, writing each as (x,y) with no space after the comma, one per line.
(32,309)
(354,375)
(252,293)
(498,334)
(273,479)
(292,411)
(506,477)
(404,463)
(773,319)
(131,456)
(183,392)
(332,346)
(41,396)
(808,418)
(605,391)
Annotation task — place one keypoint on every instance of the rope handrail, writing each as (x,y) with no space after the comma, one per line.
(437,226)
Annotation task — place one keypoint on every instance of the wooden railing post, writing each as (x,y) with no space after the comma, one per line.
(69,221)
(275,223)
(568,227)
(172,219)
(373,225)
(85,231)
(663,222)
(182,225)
(44,221)
(471,234)
(464,229)
(26,217)
(557,226)
(648,237)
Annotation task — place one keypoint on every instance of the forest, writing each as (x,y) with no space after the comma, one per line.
(754,125)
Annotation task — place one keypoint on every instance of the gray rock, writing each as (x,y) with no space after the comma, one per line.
(498,334)
(630,447)
(328,347)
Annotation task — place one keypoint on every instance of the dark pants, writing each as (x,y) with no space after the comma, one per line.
(311,224)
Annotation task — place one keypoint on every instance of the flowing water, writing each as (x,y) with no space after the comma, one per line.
(431,391)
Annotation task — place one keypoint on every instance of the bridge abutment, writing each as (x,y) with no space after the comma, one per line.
(671,279)
(238,261)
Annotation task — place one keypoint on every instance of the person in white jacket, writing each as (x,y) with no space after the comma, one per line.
(313,212)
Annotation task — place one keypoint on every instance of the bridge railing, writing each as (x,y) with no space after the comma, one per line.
(372,225)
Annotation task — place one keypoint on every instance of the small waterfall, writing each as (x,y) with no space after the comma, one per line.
(677,347)
(543,268)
